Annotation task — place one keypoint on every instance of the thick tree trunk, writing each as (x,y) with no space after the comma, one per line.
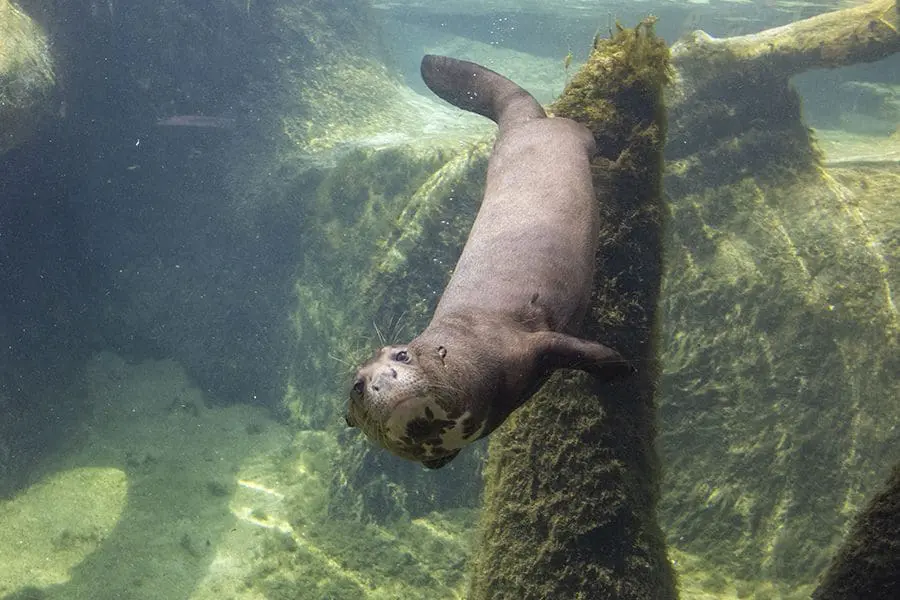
(572,479)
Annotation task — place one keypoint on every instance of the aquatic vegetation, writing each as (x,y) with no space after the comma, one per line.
(372,198)
(406,560)
(407,212)
(26,75)
(805,324)
(780,315)
(634,70)
(572,478)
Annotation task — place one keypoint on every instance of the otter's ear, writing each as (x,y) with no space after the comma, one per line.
(437,463)
(348,421)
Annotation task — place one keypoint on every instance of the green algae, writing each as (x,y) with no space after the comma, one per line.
(604,92)
(385,229)
(373,212)
(417,559)
(27,75)
(778,402)
(393,280)
(572,477)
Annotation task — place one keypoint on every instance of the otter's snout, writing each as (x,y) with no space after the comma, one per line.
(383,379)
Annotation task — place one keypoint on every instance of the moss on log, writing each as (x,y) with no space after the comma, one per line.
(733,111)
(572,478)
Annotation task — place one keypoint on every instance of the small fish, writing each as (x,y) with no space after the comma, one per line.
(197,121)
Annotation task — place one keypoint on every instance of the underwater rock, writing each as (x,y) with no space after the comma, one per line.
(26,76)
(779,384)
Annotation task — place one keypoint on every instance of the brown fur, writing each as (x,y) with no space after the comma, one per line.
(520,290)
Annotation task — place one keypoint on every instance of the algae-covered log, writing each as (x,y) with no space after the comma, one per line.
(868,565)
(780,319)
(572,478)
(861,34)
(732,109)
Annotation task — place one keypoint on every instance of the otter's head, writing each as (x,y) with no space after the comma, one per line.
(401,404)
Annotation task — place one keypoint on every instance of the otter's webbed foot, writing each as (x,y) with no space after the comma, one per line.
(562,351)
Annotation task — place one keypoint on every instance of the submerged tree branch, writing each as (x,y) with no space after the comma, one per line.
(862,34)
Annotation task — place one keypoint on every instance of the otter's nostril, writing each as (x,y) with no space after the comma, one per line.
(375,388)
(393,373)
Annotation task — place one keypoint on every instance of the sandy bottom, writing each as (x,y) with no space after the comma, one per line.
(162,496)
(845,148)
(156,489)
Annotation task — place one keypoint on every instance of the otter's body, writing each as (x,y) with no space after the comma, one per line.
(510,313)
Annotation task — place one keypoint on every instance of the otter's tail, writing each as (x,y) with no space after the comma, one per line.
(477,89)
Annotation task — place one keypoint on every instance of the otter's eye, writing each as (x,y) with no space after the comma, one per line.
(402,356)
(359,387)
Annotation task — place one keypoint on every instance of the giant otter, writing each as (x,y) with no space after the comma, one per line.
(512,310)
